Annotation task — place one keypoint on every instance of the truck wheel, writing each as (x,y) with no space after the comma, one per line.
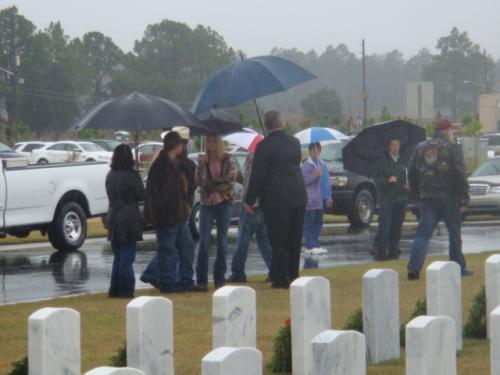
(363,207)
(69,228)
(42,161)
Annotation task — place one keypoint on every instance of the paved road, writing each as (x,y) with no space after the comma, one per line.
(34,272)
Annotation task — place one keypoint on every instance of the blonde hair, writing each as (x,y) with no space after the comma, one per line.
(219,149)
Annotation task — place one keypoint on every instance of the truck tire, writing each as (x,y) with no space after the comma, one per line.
(194,222)
(363,207)
(69,229)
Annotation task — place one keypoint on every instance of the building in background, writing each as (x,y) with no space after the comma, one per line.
(489,113)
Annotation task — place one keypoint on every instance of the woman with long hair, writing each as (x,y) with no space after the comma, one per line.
(167,209)
(215,177)
(125,190)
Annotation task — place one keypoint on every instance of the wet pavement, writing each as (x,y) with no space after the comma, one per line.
(34,271)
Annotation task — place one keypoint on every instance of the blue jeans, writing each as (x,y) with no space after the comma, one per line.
(122,272)
(183,259)
(431,210)
(248,225)
(313,222)
(391,216)
(221,213)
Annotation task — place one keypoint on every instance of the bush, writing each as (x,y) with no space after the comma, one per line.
(354,321)
(420,309)
(476,322)
(120,358)
(20,367)
(282,350)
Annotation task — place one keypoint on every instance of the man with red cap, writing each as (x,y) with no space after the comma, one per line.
(439,184)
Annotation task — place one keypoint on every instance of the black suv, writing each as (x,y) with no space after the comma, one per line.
(352,194)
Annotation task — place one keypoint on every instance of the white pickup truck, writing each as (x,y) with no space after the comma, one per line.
(55,199)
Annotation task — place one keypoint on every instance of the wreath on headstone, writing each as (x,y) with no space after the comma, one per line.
(282,350)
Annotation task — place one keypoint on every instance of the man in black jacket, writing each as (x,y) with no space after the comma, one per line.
(439,184)
(277,181)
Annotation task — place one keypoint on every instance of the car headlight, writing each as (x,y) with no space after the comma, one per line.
(495,189)
(340,181)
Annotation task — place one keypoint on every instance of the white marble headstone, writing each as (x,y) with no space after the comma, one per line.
(431,346)
(310,315)
(114,371)
(339,353)
(232,361)
(492,286)
(234,317)
(150,335)
(495,341)
(54,342)
(444,294)
(381,314)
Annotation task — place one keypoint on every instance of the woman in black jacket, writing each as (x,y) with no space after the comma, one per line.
(125,190)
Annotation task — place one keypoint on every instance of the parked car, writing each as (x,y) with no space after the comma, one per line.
(25,148)
(7,153)
(352,194)
(146,150)
(484,189)
(70,151)
(55,200)
(106,144)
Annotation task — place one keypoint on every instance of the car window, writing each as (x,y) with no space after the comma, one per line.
(488,168)
(32,146)
(90,147)
(71,147)
(146,148)
(332,151)
(57,147)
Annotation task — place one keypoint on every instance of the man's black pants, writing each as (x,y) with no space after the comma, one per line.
(284,228)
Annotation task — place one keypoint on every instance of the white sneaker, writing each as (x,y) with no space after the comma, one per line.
(309,251)
(318,251)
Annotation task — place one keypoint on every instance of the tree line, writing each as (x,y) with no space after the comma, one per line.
(52,79)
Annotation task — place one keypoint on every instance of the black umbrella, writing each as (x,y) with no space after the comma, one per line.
(371,144)
(220,122)
(137,112)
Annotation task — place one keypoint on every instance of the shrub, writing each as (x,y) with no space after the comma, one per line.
(476,322)
(20,367)
(282,350)
(119,359)
(420,309)
(354,321)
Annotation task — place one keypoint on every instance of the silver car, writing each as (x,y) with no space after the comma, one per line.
(484,189)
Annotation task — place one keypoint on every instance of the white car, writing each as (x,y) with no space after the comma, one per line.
(70,151)
(25,148)
(484,189)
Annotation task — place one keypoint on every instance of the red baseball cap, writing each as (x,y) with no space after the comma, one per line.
(444,124)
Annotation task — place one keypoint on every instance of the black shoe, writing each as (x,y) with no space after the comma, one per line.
(200,288)
(467,272)
(379,257)
(219,285)
(413,275)
(147,280)
(393,256)
(279,286)
(235,279)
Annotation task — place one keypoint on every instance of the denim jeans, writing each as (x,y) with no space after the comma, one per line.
(122,272)
(183,258)
(248,225)
(313,222)
(431,210)
(166,237)
(221,213)
(390,222)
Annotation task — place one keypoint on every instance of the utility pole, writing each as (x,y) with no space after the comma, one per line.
(12,107)
(485,62)
(365,95)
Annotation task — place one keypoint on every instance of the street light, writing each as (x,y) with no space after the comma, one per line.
(6,71)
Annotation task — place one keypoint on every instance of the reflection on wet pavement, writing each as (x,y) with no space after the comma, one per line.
(40,273)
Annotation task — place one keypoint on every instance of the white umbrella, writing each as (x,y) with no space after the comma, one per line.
(247,139)
(319,134)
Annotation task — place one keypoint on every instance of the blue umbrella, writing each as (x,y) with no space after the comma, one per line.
(249,79)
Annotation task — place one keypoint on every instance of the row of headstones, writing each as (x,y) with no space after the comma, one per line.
(54,338)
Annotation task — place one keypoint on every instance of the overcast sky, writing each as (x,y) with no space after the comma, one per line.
(256,26)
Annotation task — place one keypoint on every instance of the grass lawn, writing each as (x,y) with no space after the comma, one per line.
(103,319)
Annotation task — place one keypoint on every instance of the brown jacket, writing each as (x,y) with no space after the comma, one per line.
(224,184)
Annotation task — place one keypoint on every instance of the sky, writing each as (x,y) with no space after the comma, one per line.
(256,26)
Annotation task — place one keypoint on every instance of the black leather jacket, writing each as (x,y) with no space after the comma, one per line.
(437,171)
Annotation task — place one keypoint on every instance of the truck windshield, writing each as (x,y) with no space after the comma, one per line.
(332,151)
(5,148)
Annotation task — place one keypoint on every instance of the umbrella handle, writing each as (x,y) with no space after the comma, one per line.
(260,117)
